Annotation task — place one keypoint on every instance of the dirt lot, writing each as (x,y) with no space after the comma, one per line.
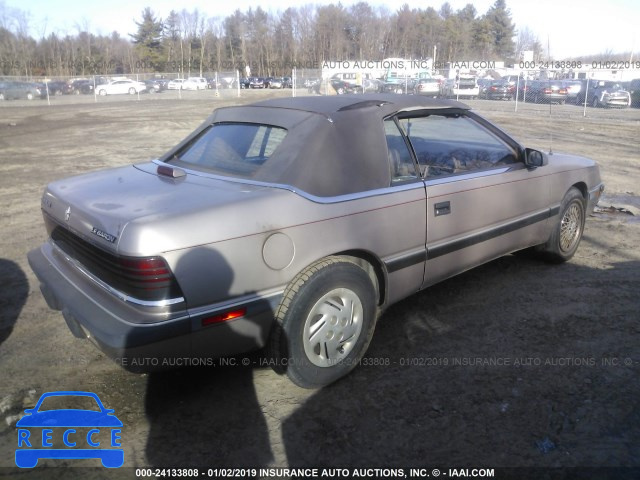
(514,364)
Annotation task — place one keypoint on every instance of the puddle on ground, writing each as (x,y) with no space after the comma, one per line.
(625,206)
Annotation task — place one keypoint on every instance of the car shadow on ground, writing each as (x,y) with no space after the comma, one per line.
(13,295)
(476,372)
(208,416)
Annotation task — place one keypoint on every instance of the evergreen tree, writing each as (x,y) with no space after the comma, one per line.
(502,30)
(148,40)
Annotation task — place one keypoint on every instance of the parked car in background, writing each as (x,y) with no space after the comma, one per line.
(195,83)
(500,90)
(634,92)
(57,87)
(543,91)
(483,83)
(465,87)
(406,86)
(150,262)
(573,88)
(256,82)
(212,83)
(372,85)
(427,86)
(81,86)
(287,82)
(10,90)
(175,84)
(341,87)
(123,86)
(155,85)
(274,82)
(604,93)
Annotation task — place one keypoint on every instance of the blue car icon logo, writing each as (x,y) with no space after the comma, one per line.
(69,433)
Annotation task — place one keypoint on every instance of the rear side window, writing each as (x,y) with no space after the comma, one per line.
(237,149)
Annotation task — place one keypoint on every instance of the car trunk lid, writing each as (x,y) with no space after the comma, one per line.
(98,206)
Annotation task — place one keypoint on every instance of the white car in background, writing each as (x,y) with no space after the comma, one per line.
(121,86)
(177,84)
(195,83)
(465,86)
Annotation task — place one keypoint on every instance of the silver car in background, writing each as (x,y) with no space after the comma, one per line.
(604,93)
(292,223)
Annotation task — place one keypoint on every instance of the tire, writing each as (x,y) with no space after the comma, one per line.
(567,233)
(1,96)
(340,91)
(132,91)
(595,103)
(29,96)
(311,340)
(102,92)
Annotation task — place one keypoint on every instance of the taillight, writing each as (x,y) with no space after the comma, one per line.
(548,90)
(562,91)
(143,278)
(146,278)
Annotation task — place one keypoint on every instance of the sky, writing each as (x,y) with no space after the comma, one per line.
(570,28)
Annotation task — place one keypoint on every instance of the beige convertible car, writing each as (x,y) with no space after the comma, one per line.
(292,223)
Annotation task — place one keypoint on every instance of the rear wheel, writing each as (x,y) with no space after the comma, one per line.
(132,91)
(324,323)
(102,92)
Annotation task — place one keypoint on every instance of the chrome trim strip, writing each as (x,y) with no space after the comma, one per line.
(314,198)
(113,291)
(465,176)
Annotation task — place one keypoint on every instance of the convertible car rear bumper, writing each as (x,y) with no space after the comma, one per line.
(144,339)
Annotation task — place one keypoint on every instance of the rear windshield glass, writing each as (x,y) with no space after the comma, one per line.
(237,149)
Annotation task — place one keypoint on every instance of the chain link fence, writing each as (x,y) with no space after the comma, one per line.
(575,90)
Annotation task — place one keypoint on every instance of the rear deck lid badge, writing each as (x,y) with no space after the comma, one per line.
(104,235)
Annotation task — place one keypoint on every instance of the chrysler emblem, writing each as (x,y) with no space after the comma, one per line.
(67,214)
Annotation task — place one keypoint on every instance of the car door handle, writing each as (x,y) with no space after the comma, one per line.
(442,208)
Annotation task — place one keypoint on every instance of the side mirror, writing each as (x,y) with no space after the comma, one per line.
(535,158)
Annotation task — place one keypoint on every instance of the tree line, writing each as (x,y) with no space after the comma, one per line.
(269,43)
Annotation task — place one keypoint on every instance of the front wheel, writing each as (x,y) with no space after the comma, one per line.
(324,323)
(132,91)
(567,233)
(102,92)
